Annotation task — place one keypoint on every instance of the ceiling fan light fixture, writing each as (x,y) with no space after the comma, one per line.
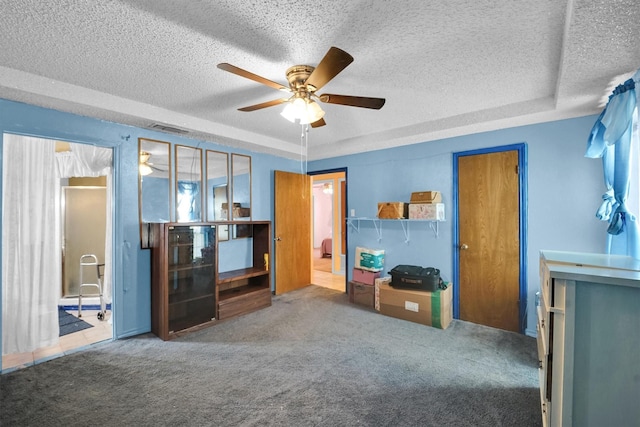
(143,166)
(314,112)
(145,169)
(289,112)
(303,110)
(144,156)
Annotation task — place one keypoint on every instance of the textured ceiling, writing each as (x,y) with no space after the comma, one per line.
(445,68)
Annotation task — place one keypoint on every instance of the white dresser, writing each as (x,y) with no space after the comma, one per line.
(589,339)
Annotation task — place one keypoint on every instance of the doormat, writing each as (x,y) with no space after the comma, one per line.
(70,323)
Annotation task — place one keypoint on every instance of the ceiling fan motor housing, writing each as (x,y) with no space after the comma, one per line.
(298,75)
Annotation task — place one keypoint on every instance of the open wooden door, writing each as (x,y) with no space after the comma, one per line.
(489,236)
(292,206)
(343,220)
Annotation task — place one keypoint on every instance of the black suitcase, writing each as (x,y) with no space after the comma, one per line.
(416,277)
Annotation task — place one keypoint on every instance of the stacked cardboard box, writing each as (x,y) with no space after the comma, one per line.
(392,210)
(369,263)
(428,308)
(369,259)
(237,211)
(361,287)
(426,205)
(361,294)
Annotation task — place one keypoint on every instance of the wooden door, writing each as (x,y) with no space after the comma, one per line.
(292,231)
(343,218)
(489,237)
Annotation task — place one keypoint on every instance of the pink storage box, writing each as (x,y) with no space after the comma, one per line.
(364,276)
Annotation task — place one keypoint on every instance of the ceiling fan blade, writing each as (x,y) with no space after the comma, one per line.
(249,75)
(264,105)
(353,101)
(318,123)
(334,61)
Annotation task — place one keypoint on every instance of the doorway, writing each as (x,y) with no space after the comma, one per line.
(84,223)
(490,237)
(329,245)
(52,206)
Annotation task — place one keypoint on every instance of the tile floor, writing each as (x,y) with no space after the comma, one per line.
(328,280)
(324,278)
(101,331)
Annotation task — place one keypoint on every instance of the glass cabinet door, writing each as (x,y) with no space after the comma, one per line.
(191,268)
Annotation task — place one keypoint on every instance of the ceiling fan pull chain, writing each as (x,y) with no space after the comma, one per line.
(304,140)
(304,137)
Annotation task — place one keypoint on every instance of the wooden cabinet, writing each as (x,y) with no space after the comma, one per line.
(247,289)
(183,292)
(188,291)
(588,334)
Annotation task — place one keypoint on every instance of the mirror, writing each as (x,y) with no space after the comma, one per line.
(154,183)
(188,184)
(217,194)
(241,187)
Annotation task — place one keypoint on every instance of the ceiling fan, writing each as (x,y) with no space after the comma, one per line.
(145,166)
(304,82)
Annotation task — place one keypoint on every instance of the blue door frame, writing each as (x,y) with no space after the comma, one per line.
(521,148)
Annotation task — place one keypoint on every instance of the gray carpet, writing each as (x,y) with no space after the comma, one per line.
(312,359)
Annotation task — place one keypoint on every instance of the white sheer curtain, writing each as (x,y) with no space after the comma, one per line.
(31,259)
(88,160)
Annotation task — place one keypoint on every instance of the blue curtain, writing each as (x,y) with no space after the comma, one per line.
(610,139)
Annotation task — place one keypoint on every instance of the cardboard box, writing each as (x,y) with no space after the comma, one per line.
(241,212)
(369,259)
(237,212)
(428,308)
(361,294)
(225,205)
(430,211)
(392,210)
(365,276)
(379,281)
(426,197)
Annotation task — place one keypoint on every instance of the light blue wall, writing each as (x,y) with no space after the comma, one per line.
(564,191)
(131,265)
(564,187)
(155,199)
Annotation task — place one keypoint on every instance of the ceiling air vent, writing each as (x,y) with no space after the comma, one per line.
(166,128)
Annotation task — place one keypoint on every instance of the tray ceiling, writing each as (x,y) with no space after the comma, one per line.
(445,68)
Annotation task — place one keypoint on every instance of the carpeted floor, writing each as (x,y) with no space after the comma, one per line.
(70,323)
(312,359)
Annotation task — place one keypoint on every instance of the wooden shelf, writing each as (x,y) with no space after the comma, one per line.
(240,274)
(209,295)
(238,291)
(183,267)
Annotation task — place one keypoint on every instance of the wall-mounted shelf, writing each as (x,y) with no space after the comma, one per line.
(377,223)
